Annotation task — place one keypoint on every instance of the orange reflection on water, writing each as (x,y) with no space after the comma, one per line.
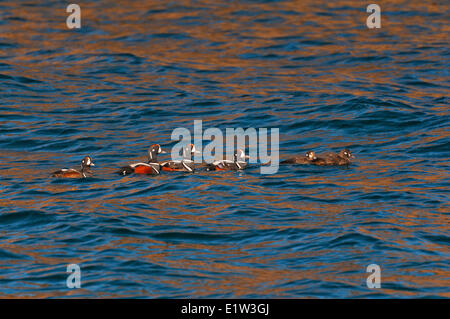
(242,54)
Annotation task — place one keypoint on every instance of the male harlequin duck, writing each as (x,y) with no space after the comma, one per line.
(237,164)
(85,171)
(308,158)
(150,168)
(185,165)
(342,158)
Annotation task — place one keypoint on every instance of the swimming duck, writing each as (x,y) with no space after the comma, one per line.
(237,164)
(84,172)
(186,164)
(341,158)
(308,158)
(152,167)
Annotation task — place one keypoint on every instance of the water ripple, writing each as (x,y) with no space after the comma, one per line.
(136,71)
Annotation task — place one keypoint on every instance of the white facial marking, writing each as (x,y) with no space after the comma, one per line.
(139,164)
(186,166)
(240,155)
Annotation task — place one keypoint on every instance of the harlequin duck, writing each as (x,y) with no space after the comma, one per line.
(85,171)
(308,158)
(237,164)
(342,158)
(150,168)
(185,165)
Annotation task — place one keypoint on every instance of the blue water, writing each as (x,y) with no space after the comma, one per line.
(134,72)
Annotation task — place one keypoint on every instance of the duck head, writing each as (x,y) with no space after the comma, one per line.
(240,156)
(189,151)
(346,154)
(153,152)
(311,156)
(86,163)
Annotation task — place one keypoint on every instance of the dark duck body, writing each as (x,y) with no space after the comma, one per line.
(84,172)
(339,159)
(237,164)
(152,167)
(185,165)
(308,158)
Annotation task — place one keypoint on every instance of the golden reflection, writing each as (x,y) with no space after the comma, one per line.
(218,49)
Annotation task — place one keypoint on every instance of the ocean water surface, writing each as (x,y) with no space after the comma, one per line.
(136,71)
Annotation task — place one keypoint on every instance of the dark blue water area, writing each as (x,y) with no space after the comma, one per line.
(135,72)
